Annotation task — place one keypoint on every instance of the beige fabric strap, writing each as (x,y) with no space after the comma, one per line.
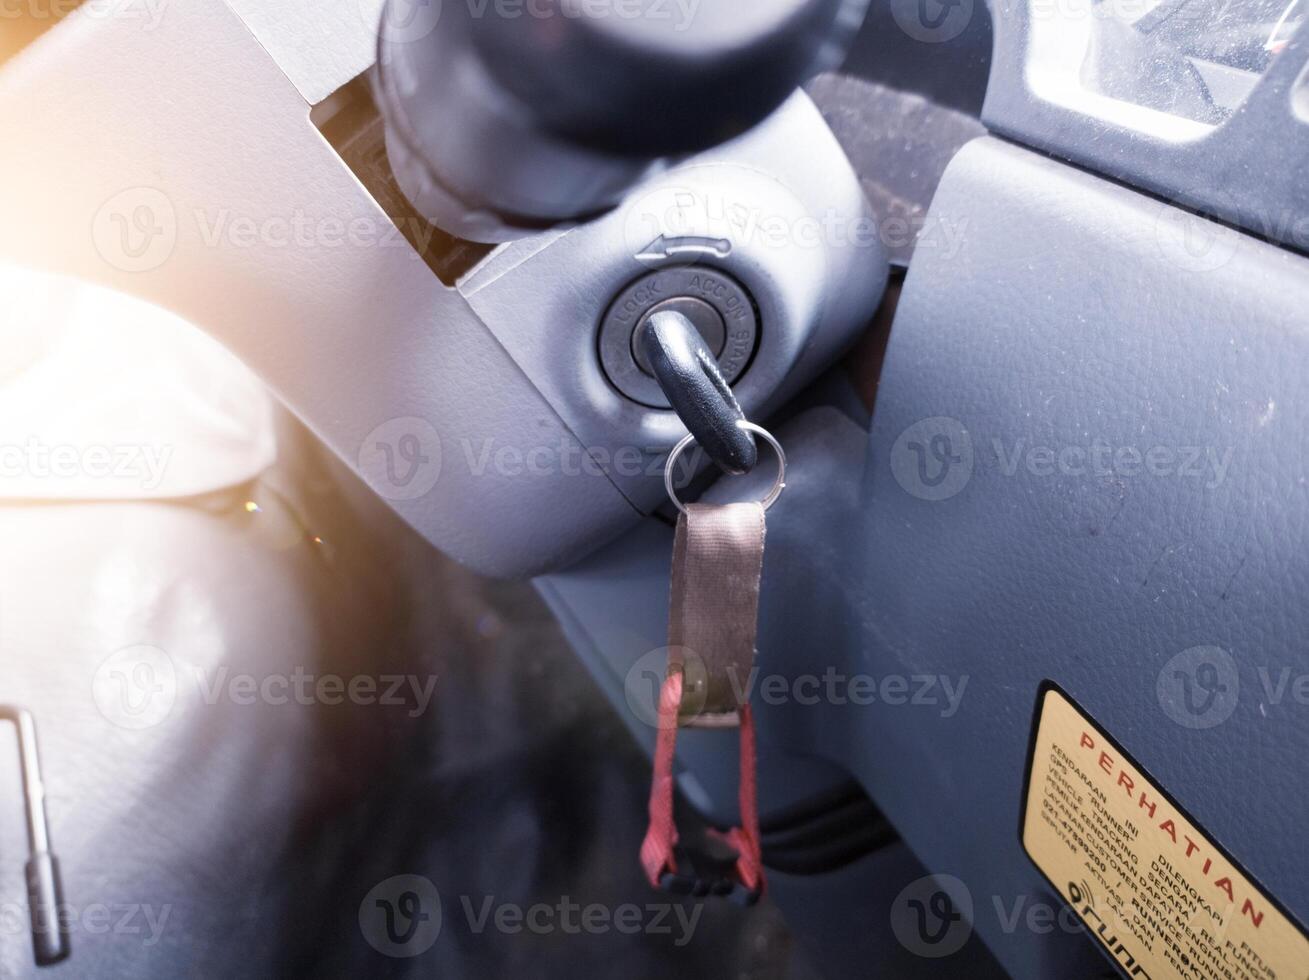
(713,616)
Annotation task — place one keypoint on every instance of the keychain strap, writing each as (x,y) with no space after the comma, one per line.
(745,882)
(712,625)
(713,610)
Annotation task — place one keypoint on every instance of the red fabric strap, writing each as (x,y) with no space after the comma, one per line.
(657,850)
(661,835)
(713,618)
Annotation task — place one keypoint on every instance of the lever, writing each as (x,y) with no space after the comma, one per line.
(688,374)
(498,127)
(44,890)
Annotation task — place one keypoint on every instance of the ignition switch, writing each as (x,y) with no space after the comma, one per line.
(717,304)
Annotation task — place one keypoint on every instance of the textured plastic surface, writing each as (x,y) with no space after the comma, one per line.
(784,198)
(870,892)
(1065,321)
(211,193)
(1247,170)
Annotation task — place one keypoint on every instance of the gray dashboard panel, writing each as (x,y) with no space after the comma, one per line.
(1247,171)
(1069,319)
(352,331)
(211,192)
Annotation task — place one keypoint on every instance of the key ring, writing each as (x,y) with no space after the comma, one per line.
(758,430)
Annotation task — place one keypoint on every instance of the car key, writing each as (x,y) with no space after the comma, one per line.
(688,374)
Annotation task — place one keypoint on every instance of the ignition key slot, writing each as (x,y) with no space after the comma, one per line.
(722,310)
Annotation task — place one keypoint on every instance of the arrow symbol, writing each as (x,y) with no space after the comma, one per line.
(664,247)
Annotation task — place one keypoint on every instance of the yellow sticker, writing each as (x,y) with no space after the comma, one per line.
(1165,901)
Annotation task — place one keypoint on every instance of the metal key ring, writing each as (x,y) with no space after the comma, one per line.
(758,430)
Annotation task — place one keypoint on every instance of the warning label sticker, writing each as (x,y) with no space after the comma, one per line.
(1162,898)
